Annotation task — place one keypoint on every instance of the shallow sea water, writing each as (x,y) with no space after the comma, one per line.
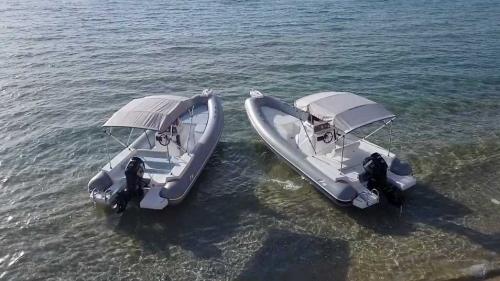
(65,66)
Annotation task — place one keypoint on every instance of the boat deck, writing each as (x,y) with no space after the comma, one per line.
(162,162)
(328,161)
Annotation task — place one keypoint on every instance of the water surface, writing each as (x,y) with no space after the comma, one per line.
(65,66)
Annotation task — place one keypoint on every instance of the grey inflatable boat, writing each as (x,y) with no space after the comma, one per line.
(320,138)
(177,136)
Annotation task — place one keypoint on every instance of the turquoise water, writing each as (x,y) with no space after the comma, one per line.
(65,66)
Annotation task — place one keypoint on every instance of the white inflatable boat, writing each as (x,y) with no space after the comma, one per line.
(159,168)
(320,138)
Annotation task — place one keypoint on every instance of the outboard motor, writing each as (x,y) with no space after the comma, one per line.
(135,182)
(376,176)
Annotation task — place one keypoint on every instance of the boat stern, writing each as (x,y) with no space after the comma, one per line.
(101,198)
(100,189)
(365,199)
(153,200)
(402,182)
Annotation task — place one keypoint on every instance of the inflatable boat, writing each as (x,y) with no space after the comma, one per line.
(321,136)
(176,137)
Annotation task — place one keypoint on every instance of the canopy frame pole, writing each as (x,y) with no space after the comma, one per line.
(378,129)
(168,152)
(190,125)
(305,131)
(147,137)
(342,154)
(117,140)
(129,135)
(181,149)
(107,149)
(390,138)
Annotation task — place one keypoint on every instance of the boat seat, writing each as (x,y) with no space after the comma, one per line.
(157,167)
(157,171)
(177,159)
(157,163)
(200,128)
(181,159)
(347,147)
(186,157)
(147,153)
(160,176)
(177,170)
(155,160)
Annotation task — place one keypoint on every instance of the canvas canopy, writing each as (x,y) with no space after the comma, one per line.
(152,112)
(346,110)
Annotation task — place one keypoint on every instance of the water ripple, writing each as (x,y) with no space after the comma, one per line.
(67,66)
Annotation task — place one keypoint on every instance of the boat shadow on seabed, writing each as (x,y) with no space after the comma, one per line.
(222,202)
(432,204)
(286,255)
(221,199)
(424,206)
(445,199)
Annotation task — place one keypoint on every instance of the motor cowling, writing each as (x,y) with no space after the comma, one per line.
(376,167)
(375,174)
(134,173)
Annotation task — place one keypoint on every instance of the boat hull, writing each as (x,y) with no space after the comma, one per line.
(176,191)
(170,177)
(340,193)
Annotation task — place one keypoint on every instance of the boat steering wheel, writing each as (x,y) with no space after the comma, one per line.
(163,139)
(328,137)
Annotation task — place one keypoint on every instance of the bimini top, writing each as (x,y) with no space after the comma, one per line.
(347,111)
(152,112)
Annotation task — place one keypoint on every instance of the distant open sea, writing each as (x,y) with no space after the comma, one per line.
(66,66)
